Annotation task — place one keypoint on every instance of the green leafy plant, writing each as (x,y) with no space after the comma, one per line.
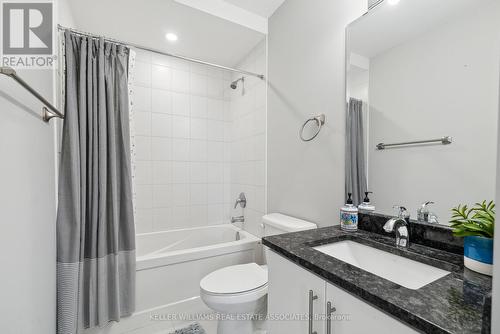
(476,221)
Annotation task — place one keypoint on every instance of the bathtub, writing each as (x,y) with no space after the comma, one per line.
(170,264)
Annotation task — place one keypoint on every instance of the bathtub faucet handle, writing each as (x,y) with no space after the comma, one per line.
(241,201)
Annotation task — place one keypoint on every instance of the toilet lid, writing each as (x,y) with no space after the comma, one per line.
(235,279)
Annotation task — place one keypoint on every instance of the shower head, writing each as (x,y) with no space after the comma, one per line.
(234,84)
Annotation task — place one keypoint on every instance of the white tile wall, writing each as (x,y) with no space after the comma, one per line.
(182,147)
(248,141)
(198,143)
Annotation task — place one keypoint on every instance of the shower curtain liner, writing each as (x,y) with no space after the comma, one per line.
(355,152)
(95,222)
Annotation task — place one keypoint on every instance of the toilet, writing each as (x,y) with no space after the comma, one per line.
(239,292)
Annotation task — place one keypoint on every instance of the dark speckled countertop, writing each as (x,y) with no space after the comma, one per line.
(452,304)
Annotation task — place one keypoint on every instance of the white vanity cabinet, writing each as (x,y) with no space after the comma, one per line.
(288,296)
(292,293)
(354,316)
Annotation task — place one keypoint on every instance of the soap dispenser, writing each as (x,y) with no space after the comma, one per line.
(366,206)
(349,216)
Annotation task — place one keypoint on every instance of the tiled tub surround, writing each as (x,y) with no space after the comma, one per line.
(199,143)
(452,304)
(182,136)
(248,140)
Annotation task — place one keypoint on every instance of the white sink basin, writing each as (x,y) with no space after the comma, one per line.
(400,270)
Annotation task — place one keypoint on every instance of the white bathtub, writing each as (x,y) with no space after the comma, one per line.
(171,264)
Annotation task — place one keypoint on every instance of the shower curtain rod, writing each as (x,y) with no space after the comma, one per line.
(193,60)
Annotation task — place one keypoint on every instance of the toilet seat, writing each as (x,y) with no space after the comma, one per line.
(235,300)
(244,279)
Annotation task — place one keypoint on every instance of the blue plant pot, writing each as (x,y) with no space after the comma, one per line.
(478,254)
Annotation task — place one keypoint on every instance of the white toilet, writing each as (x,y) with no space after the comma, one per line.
(239,292)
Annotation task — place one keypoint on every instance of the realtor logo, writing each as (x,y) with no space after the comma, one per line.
(27,34)
(27,28)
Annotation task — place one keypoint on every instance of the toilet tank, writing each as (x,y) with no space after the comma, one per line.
(277,223)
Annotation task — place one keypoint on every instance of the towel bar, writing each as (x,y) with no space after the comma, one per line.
(444,140)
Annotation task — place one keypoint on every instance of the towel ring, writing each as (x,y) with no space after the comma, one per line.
(320,121)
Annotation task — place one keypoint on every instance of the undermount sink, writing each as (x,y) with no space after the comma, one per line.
(400,270)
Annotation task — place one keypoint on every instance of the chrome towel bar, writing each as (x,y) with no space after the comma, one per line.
(46,113)
(444,140)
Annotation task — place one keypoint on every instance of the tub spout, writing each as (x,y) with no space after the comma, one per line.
(239,219)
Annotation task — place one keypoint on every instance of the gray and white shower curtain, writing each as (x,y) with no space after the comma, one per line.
(355,152)
(95,222)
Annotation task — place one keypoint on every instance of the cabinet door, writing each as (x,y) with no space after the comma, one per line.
(288,297)
(354,316)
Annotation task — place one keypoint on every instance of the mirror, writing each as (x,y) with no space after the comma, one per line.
(420,70)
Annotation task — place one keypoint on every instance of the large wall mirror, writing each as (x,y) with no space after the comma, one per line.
(422,70)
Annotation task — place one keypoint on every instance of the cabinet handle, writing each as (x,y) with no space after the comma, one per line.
(312,298)
(329,311)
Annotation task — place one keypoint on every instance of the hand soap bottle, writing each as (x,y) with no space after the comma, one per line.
(366,206)
(349,216)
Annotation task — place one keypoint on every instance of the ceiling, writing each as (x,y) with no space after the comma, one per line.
(201,35)
(386,26)
(264,8)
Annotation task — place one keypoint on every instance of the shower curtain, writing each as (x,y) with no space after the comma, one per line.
(355,152)
(95,223)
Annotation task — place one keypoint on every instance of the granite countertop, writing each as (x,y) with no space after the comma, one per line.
(452,304)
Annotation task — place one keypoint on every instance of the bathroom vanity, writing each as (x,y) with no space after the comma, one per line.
(374,288)
(305,290)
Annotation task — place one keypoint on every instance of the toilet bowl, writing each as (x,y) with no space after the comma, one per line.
(239,293)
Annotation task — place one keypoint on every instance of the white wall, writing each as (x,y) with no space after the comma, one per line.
(248,146)
(306,78)
(357,87)
(443,83)
(27,205)
(182,136)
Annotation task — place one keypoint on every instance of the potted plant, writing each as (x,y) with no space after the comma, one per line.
(476,225)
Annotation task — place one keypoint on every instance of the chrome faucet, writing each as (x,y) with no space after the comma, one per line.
(423,214)
(399,225)
(241,201)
